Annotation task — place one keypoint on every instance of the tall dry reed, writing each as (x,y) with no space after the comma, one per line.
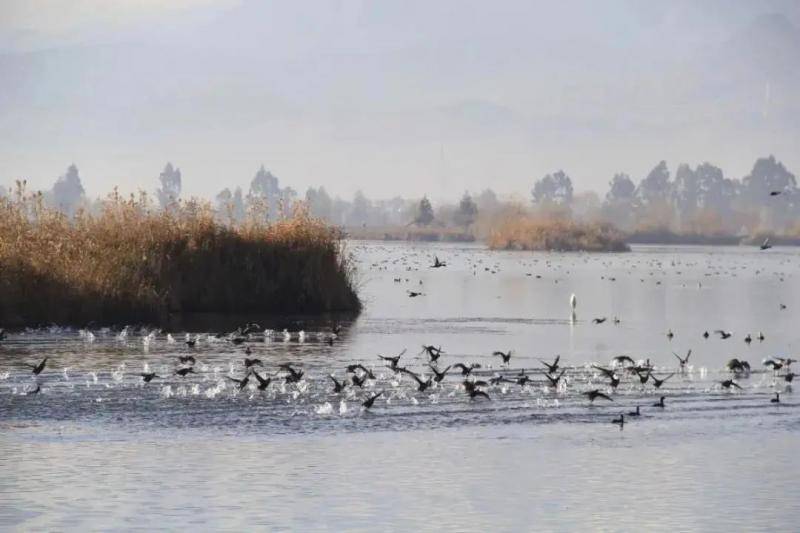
(128,262)
(531,232)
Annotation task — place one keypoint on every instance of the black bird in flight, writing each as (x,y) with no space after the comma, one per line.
(728,383)
(242,382)
(359,366)
(183,371)
(252,362)
(338,386)
(38,368)
(506,356)
(422,386)
(594,394)
(765,245)
(623,359)
(371,400)
(683,361)
(263,383)
(438,375)
(552,368)
(184,359)
(737,366)
(437,263)
(610,374)
(359,381)
(658,382)
(599,320)
(147,377)
(554,379)
(433,352)
(643,376)
(474,393)
(393,361)
(466,370)
(723,334)
(294,376)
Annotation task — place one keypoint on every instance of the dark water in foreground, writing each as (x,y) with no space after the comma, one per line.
(98,449)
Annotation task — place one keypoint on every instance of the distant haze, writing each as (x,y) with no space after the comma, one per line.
(396,97)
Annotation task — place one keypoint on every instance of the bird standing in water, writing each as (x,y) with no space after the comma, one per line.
(573,302)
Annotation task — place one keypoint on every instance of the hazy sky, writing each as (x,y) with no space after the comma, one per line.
(393,97)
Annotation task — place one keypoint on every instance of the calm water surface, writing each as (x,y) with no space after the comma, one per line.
(98,449)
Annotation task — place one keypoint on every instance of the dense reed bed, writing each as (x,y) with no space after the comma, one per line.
(126,262)
(532,232)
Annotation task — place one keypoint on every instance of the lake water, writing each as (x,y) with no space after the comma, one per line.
(98,449)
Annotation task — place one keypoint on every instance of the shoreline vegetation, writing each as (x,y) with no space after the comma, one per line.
(126,262)
(540,234)
(536,233)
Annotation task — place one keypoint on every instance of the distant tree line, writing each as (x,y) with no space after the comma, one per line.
(692,200)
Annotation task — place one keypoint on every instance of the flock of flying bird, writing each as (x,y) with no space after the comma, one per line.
(473,379)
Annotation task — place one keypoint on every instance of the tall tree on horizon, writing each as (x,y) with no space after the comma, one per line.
(68,193)
(170,190)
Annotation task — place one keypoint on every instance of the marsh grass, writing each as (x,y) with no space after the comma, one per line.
(523,231)
(128,262)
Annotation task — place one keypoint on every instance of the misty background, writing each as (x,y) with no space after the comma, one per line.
(393,99)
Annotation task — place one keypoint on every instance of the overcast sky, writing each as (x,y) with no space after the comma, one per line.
(394,97)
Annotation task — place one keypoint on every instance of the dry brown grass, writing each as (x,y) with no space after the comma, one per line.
(532,232)
(130,263)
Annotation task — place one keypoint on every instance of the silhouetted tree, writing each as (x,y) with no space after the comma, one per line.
(467,211)
(424,215)
(621,189)
(487,201)
(770,175)
(686,191)
(553,188)
(230,206)
(170,190)
(319,203)
(265,192)
(359,214)
(620,201)
(655,188)
(68,193)
(767,175)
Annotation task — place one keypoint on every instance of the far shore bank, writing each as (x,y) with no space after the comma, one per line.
(390,233)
